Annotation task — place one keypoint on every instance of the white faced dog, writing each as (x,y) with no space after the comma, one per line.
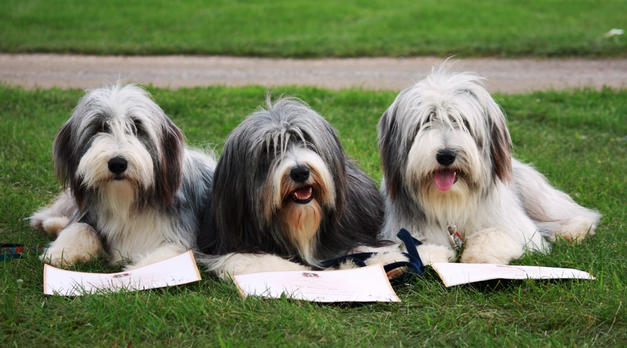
(449,175)
(286,197)
(135,192)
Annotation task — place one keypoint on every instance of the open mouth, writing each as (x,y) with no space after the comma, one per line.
(302,195)
(445,178)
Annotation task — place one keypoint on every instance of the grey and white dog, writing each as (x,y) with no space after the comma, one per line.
(134,193)
(286,197)
(445,150)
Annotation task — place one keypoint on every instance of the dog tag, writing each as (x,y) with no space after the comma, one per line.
(455,238)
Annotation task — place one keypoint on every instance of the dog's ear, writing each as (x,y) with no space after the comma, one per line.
(390,136)
(63,154)
(168,178)
(360,221)
(232,221)
(338,163)
(500,144)
(66,158)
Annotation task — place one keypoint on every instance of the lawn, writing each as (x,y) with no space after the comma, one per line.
(576,138)
(288,28)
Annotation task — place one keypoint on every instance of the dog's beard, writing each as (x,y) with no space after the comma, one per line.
(117,197)
(301,213)
(448,205)
(299,223)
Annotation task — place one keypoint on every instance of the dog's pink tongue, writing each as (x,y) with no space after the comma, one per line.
(303,194)
(444,179)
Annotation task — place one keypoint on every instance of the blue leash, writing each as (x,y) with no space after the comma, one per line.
(15,251)
(403,268)
(414,265)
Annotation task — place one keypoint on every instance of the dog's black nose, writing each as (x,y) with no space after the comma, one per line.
(445,157)
(299,173)
(117,165)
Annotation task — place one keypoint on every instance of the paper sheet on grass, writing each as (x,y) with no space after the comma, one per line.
(462,273)
(366,284)
(177,270)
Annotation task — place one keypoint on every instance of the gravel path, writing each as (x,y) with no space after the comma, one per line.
(504,75)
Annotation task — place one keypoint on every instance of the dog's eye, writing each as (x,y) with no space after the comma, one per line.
(138,127)
(455,122)
(104,128)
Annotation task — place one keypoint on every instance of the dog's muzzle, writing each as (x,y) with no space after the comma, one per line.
(303,194)
(445,178)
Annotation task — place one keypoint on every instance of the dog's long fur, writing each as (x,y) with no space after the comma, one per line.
(264,218)
(139,190)
(503,207)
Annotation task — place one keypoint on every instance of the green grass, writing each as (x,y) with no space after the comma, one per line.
(288,28)
(576,138)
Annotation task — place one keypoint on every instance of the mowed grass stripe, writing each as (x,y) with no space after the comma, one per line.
(576,138)
(324,28)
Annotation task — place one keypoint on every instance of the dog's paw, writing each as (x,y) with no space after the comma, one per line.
(491,245)
(384,255)
(242,263)
(387,257)
(432,253)
(576,229)
(52,226)
(484,258)
(43,220)
(56,216)
(162,253)
(63,257)
(76,243)
(36,222)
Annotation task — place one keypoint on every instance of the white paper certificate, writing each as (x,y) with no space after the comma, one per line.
(462,273)
(177,270)
(366,284)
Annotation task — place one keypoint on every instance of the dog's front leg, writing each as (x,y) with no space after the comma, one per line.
(384,255)
(55,217)
(491,245)
(432,253)
(161,253)
(78,242)
(229,265)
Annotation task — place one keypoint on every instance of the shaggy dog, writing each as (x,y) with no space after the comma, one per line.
(286,197)
(135,192)
(449,176)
